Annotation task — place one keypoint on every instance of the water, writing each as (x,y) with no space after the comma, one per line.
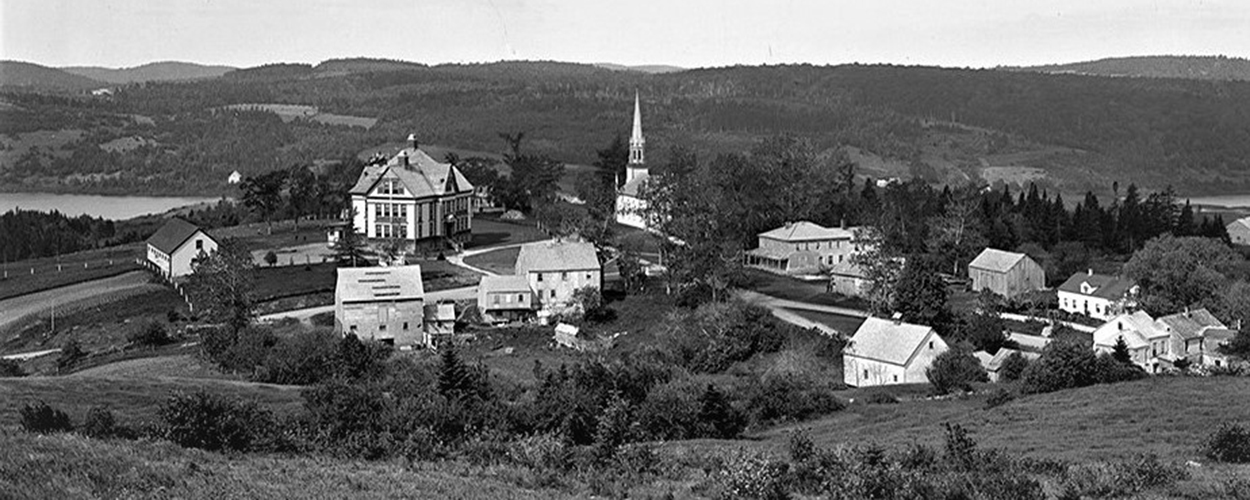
(108,207)
(1227,201)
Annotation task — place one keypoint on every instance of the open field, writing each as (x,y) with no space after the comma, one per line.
(502,261)
(492,232)
(73,268)
(785,287)
(19,313)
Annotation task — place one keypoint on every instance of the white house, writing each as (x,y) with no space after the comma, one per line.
(1096,295)
(175,245)
(1239,231)
(234,177)
(1188,332)
(1148,342)
(885,352)
(381,303)
(413,198)
(630,204)
(554,269)
(802,247)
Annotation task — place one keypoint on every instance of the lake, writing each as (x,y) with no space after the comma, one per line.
(108,207)
(1227,201)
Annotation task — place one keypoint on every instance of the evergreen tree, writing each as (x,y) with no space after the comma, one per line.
(920,294)
(455,379)
(717,419)
(1120,351)
(1185,222)
(615,427)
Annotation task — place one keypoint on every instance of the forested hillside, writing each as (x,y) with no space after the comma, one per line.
(1068,133)
(1192,67)
(151,72)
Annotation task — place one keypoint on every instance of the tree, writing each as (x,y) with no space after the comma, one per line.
(920,294)
(263,194)
(1013,367)
(881,269)
(455,379)
(350,249)
(956,234)
(1175,273)
(613,160)
(956,368)
(590,301)
(271,258)
(1120,351)
(302,192)
(534,177)
(221,284)
(716,417)
(615,427)
(71,353)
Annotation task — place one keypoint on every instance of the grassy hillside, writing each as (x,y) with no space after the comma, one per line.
(1189,67)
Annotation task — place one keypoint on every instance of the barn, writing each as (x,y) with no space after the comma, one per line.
(1009,274)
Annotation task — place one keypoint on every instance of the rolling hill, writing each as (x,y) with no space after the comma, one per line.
(21,75)
(152,72)
(1188,67)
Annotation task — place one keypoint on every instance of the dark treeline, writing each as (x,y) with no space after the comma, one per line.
(27,234)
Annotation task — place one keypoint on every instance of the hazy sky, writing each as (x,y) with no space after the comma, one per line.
(679,32)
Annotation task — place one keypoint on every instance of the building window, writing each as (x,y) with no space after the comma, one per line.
(403,231)
(353,328)
(496,299)
(553,294)
(896,378)
(199,244)
(520,299)
(865,373)
(930,344)
(540,277)
(564,276)
(588,276)
(405,326)
(382,327)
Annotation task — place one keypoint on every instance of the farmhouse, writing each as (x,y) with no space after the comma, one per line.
(175,245)
(1147,342)
(1006,273)
(1096,295)
(630,203)
(504,299)
(994,362)
(381,303)
(802,247)
(885,352)
(1187,333)
(413,198)
(1239,231)
(554,269)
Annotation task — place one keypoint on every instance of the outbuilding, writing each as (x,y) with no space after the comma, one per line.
(175,245)
(886,352)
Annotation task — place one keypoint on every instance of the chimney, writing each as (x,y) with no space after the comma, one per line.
(403,158)
(412,139)
(897,317)
(844,223)
(1089,272)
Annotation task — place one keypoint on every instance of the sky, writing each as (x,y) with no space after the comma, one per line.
(686,33)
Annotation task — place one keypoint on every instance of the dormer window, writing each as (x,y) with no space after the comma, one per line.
(1087,289)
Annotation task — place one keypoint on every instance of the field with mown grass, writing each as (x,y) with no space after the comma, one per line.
(502,261)
(73,268)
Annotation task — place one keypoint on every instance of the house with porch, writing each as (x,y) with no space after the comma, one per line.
(413,199)
(175,245)
(886,352)
(802,248)
(505,299)
(1009,274)
(386,304)
(1098,296)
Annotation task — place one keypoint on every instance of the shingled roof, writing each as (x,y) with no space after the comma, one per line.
(634,187)
(1192,324)
(504,284)
(172,235)
(421,176)
(807,231)
(370,284)
(1104,287)
(992,259)
(556,255)
(888,341)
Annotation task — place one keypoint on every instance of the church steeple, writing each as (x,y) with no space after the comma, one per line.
(637,146)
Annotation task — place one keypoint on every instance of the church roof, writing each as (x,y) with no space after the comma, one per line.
(804,231)
(634,187)
(422,176)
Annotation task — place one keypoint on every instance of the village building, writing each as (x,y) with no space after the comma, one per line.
(1009,274)
(555,269)
(631,206)
(1187,333)
(175,245)
(1239,231)
(847,278)
(993,363)
(1097,295)
(234,177)
(505,299)
(1214,338)
(385,304)
(802,248)
(1028,342)
(413,199)
(439,322)
(1147,341)
(885,352)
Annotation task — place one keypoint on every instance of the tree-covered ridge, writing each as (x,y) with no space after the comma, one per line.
(1192,67)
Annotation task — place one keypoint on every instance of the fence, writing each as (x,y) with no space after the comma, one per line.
(168,280)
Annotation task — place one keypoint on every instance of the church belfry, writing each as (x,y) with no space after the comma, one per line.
(637,146)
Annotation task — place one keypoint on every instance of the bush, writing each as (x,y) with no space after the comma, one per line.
(1120,479)
(1230,443)
(1013,367)
(955,369)
(671,411)
(788,398)
(101,424)
(71,353)
(753,475)
(11,368)
(150,334)
(210,422)
(999,397)
(880,398)
(44,419)
(1063,365)
(323,319)
(271,258)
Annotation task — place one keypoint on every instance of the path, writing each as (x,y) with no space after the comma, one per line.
(305,315)
(1075,326)
(30,355)
(779,307)
(16,308)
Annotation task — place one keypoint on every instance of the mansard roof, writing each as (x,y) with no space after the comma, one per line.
(421,176)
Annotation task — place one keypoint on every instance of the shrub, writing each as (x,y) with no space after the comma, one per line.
(150,334)
(1230,443)
(44,419)
(788,397)
(101,424)
(753,475)
(670,411)
(880,398)
(717,419)
(11,368)
(323,319)
(1120,479)
(210,422)
(271,258)
(1013,367)
(998,398)
(1063,365)
(71,353)
(955,369)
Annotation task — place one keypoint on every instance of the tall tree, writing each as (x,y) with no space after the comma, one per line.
(222,284)
(920,294)
(263,194)
(613,159)
(1175,273)
(302,192)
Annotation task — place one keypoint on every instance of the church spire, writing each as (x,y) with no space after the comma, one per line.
(636,142)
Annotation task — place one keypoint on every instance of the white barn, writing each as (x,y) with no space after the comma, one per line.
(885,352)
(175,245)
(385,304)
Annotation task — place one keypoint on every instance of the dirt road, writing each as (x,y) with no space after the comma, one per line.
(14,309)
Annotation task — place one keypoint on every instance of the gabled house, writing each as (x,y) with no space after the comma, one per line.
(885,352)
(1188,331)
(847,279)
(1009,274)
(1214,338)
(234,177)
(802,248)
(385,304)
(1239,231)
(504,299)
(1097,295)
(413,198)
(175,245)
(555,269)
(992,363)
(1149,344)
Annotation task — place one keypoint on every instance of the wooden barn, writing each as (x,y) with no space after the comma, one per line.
(1008,274)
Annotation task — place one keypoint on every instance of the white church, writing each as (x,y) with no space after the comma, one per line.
(630,206)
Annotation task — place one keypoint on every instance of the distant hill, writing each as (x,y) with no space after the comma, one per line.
(1189,67)
(35,77)
(654,69)
(152,72)
(334,67)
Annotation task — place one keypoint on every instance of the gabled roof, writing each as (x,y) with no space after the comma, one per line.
(885,340)
(634,188)
(385,284)
(1190,325)
(1104,287)
(422,176)
(440,312)
(1035,342)
(504,284)
(556,255)
(992,362)
(807,231)
(992,259)
(1137,329)
(172,235)
(1242,223)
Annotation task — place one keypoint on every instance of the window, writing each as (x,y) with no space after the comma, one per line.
(403,230)
(377,231)
(930,344)
(865,373)
(199,244)
(589,276)
(553,294)
(382,327)
(520,298)
(540,277)
(896,378)
(405,326)
(353,328)
(496,301)
(564,276)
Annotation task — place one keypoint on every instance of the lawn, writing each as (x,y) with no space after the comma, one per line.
(490,231)
(73,268)
(785,287)
(285,281)
(847,325)
(97,324)
(502,261)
